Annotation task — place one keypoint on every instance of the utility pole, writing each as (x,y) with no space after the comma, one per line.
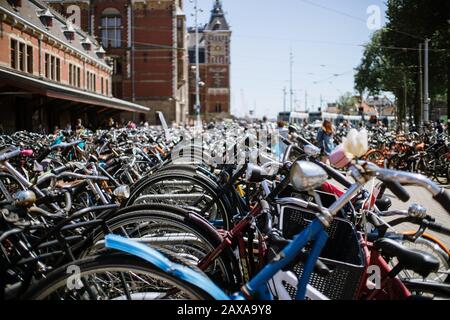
(321,102)
(405,94)
(420,120)
(291,79)
(306,100)
(197,65)
(426,107)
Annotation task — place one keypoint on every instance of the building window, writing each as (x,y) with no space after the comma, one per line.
(58,69)
(111,25)
(71,75)
(101,80)
(117,66)
(29,59)
(21,56)
(218,107)
(88,80)
(107,87)
(13,54)
(47,65)
(74,75)
(52,67)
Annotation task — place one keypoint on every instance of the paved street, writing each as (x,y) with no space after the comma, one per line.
(420,196)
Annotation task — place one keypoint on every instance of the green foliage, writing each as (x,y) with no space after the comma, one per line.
(346,103)
(391,59)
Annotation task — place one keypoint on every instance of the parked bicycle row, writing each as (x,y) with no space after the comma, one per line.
(427,153)
(149,214)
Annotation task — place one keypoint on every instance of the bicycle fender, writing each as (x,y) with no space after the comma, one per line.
(160,261)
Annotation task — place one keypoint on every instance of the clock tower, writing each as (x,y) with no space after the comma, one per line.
(214,65)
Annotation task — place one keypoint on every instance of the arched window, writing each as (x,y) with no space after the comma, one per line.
(111,28)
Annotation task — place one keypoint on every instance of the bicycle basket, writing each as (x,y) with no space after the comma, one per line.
(342,254)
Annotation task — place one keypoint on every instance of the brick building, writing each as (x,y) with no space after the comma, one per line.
(214,48)
(146,40)
(51,72)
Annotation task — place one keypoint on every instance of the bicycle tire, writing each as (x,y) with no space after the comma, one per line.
(191,223)
(429,245)
(195,179)
(60,279)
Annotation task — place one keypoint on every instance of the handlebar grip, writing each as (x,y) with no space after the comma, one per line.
(9,155)
(438,228)
(398,190)
(26,153)
(444,200)
(60,170)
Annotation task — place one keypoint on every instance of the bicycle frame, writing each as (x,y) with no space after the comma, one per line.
(257,288)
(160,261)
(390,288)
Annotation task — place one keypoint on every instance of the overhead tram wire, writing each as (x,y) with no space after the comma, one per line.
(356,18)
(336,43)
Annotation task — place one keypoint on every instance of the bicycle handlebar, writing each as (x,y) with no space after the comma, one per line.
(70,175)
(436,227)
(443,198)
(399,177)
(16,153)
(65,145)
(397,189)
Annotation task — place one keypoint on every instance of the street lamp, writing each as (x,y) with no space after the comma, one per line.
(197,107)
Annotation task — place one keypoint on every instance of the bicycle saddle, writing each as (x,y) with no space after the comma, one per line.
(411,259)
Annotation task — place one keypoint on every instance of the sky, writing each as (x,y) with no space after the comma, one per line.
(325,36)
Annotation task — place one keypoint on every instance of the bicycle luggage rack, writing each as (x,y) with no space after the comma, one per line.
(342,255)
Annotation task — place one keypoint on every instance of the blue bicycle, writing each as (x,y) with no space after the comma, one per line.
(305,176)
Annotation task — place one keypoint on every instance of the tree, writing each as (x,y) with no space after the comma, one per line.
(390,61)
(346,103)
(378,72)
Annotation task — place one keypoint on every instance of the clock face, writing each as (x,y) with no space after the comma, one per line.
(217,49)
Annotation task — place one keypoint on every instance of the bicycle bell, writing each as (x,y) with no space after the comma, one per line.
(417,211)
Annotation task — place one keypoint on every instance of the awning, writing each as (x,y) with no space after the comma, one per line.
(50,89)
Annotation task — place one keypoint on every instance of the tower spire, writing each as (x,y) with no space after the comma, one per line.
(217,9)
(218,20)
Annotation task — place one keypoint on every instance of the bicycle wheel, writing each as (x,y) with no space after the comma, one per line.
(448,172)
(113,277)
(177,233)
(428,246)
(188,190)
(376,157)
(440,169)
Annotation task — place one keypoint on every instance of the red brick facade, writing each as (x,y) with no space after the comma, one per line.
(50,72)
(150,63)
(48,45)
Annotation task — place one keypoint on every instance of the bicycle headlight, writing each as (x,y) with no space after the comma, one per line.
(122,192)
(24,198)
